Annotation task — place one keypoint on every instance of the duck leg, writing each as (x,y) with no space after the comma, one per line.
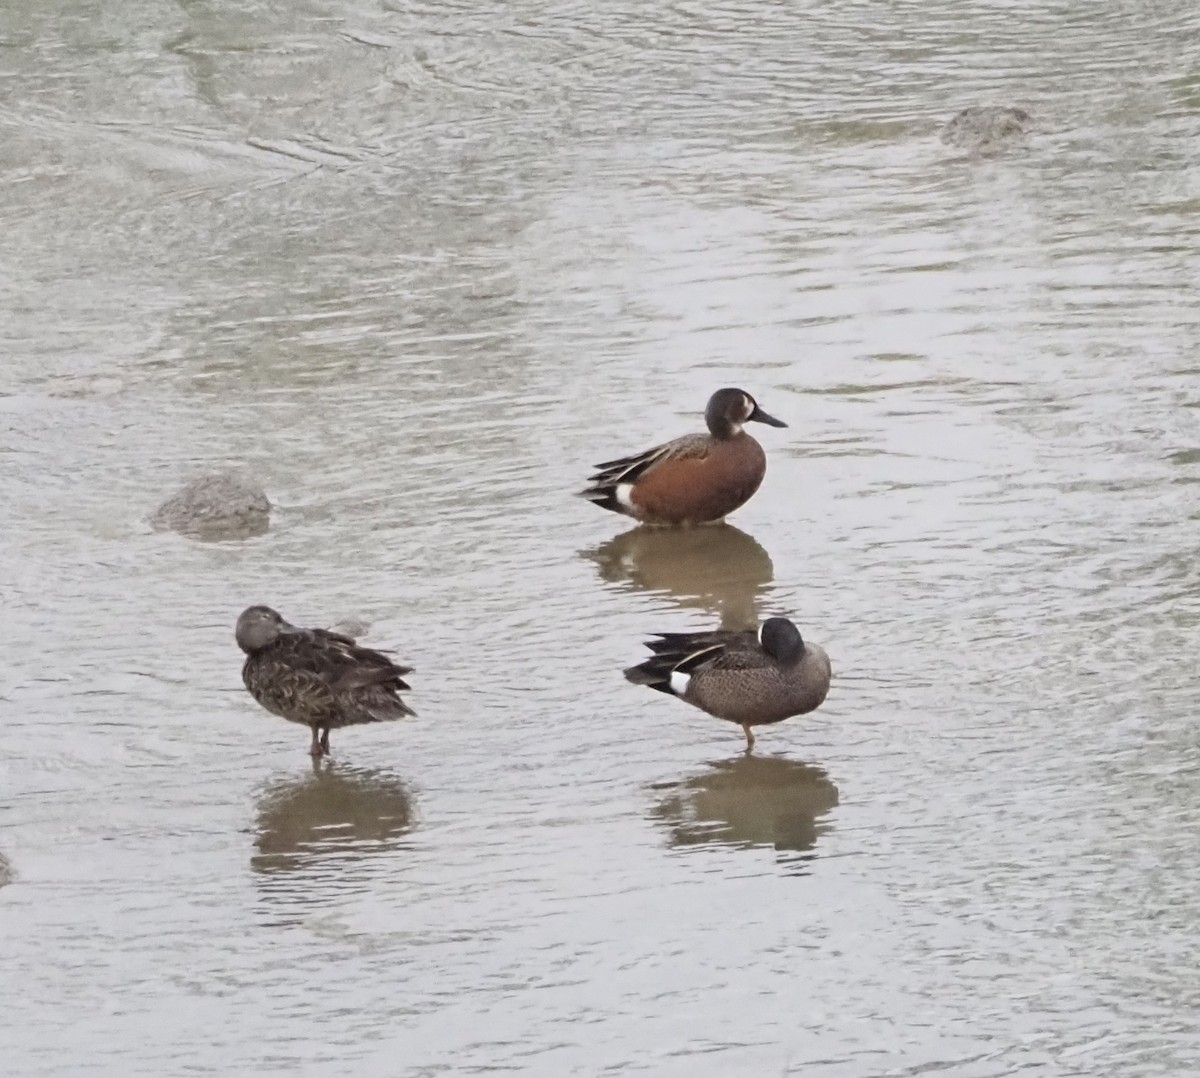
(325,741)
(315,749)
(749,737)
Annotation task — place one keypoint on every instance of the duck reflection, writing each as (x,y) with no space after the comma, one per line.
(720,569)
(749,801)
(6,872)
(334,813)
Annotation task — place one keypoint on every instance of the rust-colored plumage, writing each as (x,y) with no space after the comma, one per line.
(749,678)
(316,677)
(696,479)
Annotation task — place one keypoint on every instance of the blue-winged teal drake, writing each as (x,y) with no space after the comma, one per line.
(696,479)
(316,677)
(745,677)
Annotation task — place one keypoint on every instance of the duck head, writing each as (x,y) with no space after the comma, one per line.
(728,409)
(259,627)
(781,640)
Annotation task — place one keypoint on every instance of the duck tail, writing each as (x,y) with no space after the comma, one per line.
(674,654)
(609,475)
(384,706)
(396,709)
(655,673)
(603,495)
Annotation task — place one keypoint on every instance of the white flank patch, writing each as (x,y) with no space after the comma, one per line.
(624,494)
(760,629)
(679,682)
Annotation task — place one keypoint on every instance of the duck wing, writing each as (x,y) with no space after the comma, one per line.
(689,653)
(338,662)
(631,469)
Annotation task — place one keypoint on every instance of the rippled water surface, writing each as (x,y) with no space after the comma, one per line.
(417,266)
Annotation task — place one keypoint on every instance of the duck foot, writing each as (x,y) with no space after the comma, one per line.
(749,738)
(320,743)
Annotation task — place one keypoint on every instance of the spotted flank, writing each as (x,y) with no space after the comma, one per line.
(318,678)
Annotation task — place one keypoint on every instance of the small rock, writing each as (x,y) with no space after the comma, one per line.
(986,129)
(218,506)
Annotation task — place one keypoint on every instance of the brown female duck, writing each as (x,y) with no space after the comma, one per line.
(316,677)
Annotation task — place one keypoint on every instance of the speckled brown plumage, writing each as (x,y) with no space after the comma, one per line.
(749,678)
(316,677)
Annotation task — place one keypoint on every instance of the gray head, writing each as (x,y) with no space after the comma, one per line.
(781,640)
(728,409)
(259,627)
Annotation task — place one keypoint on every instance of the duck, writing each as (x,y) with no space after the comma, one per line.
(316,677)
(694,480)
(752,678)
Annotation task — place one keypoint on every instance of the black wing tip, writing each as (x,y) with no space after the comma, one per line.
(606,469)
(604,497)
(682,644)
(671,652)
(653,673)
(640,674)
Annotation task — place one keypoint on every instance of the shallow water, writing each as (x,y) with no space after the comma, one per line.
(418,267)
